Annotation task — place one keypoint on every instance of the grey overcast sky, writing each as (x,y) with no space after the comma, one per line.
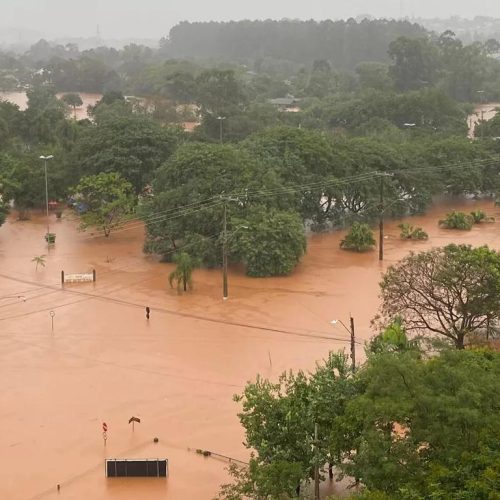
(153,18)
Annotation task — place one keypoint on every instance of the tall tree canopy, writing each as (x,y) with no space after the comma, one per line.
(452,292)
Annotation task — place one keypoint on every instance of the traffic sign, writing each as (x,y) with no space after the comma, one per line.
(104,427)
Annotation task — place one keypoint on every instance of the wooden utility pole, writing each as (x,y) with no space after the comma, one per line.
(353,346)
(381,222)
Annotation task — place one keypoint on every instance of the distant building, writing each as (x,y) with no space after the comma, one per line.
(288,103)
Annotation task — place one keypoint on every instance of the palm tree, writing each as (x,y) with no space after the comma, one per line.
(182,274)
(40,261)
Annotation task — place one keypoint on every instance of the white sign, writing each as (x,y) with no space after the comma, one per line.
(78,278)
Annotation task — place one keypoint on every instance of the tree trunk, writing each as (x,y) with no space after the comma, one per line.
(459,341)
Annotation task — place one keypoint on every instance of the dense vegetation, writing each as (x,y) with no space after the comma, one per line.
(419,419)
(397,122)
(404,426)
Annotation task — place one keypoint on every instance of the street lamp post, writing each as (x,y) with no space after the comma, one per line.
(221,119)
(45,158)
(350,331)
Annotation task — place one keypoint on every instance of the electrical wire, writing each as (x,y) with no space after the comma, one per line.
(215,201)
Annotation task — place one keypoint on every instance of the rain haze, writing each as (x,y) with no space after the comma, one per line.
(154,18)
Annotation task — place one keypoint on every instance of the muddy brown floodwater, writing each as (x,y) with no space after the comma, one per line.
(21,99)
(177,372)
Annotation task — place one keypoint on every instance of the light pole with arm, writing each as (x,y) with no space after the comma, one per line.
(45,158)
(350,331)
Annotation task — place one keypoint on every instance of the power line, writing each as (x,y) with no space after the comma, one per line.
(115,300)
(215,201)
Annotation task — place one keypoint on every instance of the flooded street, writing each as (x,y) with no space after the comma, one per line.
(485,111)
(177,372)
(21,99)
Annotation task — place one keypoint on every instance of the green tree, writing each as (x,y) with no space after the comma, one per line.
(74,100)
(359,238)
(428,426)
(452,291)
(23,180)
(44,115)
(107,199)
(373,75)
(488,128)
(279,420)
(182,274)
(4,211)
(129,143)
(271,244)
(276,480)
(415,62)
(219,92)
(189,189)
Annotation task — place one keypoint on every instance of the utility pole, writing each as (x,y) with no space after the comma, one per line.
(224,253)
(353,346)
(225,240)
(316,466)
(381,222)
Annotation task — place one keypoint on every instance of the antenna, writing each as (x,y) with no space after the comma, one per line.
(98,34)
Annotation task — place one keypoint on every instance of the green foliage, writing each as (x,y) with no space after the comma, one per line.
(108,200)
(428,426)
(72,99)
(272,243)
(415,62)
(393,339)
(193,183)
(359,238)
(452,291)
(128,143)
(279,420)
(457,220)
(182,274)
(488,128)
(479,216)
(278,479)
(409,232)
(4,211)
(407,425)
(23,179)
(44,116)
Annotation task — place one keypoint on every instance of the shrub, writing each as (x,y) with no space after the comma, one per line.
(457,220)
(479,216)
(409,232)
(359,239)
